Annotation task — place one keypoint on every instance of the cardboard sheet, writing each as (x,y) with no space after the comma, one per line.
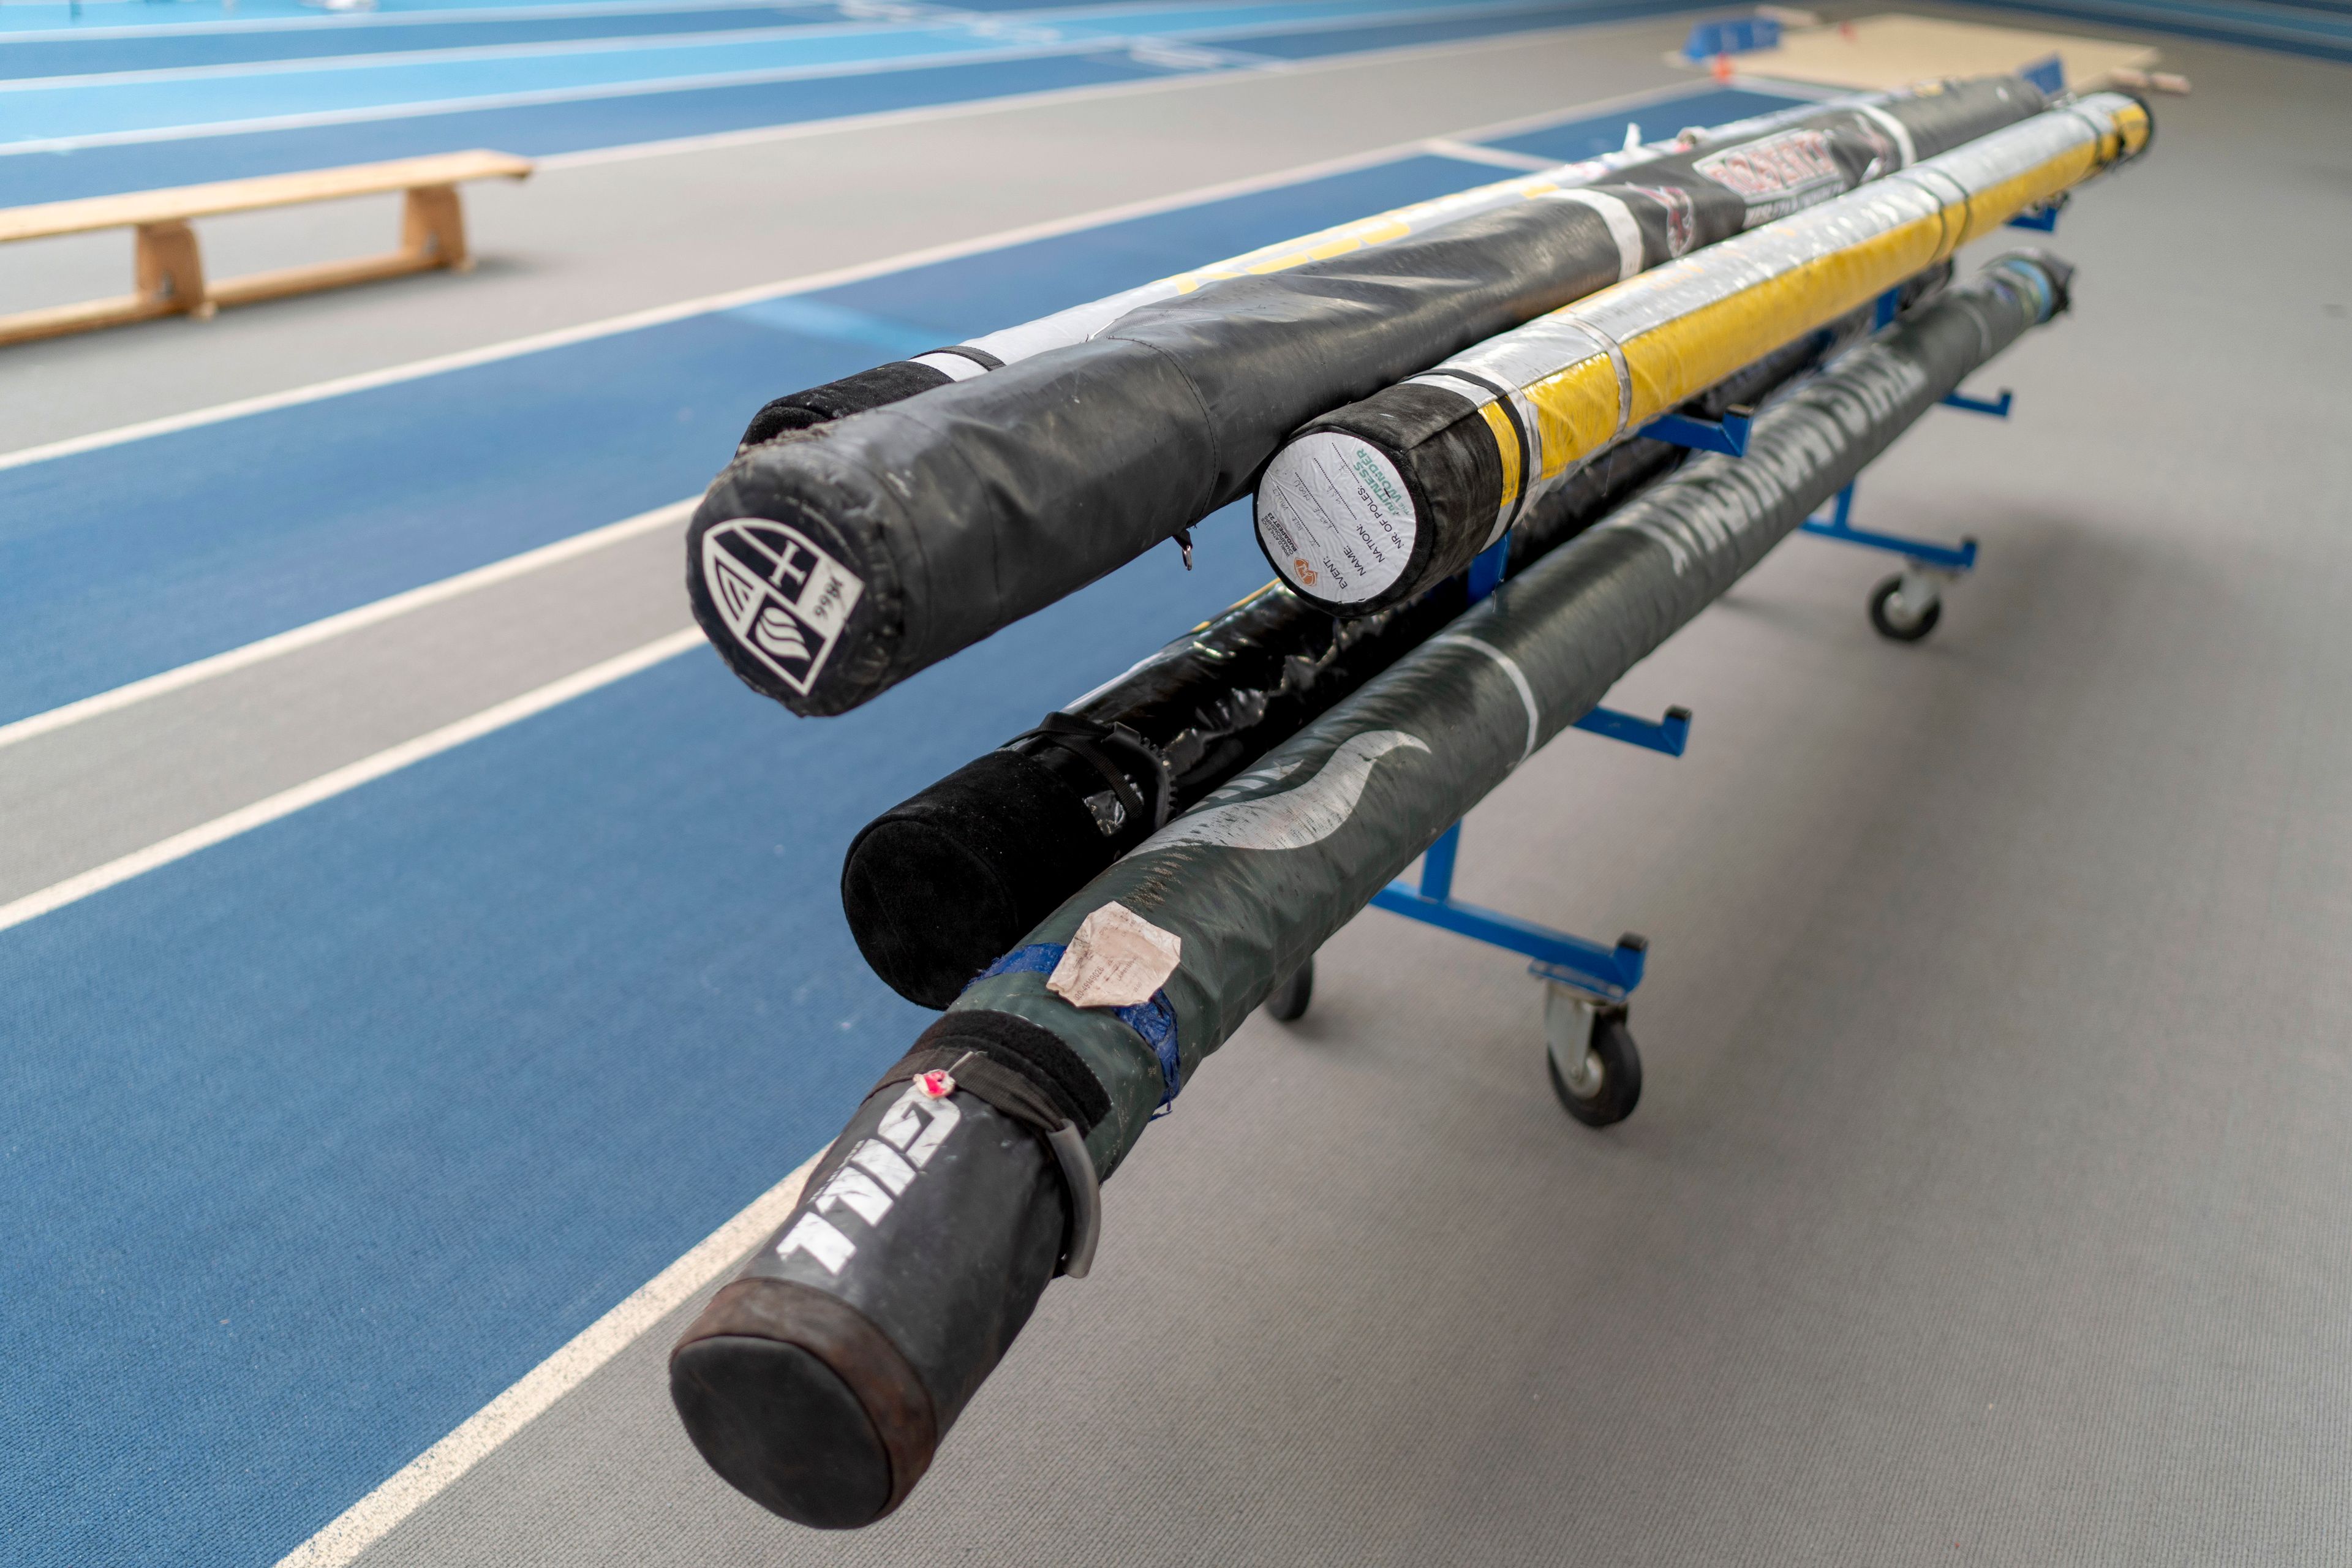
(1895,51)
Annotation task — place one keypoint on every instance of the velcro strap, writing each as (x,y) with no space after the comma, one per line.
(1078,737)
(1029,1102)
(1009,1091)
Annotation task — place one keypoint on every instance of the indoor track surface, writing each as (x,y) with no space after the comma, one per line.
(418,952)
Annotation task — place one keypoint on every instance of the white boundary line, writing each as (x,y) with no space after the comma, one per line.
(1015,47)
(350,777)
(370,19)
(432,1472)
(1034,27)
(457,54)
(709,304)
(1470,152)
(352,620)
(101,703)
(650,87)
(420,1480)
(755,135)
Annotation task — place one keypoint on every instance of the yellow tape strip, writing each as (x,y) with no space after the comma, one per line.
(1506,442)
(1670,364)
(1575,412)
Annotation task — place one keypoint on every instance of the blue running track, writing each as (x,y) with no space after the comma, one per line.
(318,1139)
(99,113)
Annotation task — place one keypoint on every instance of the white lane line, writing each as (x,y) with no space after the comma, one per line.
(1020,43)
(425,109)
(335,625)
(1447,147)
(365,20)
(711,304)
(454,54)
(350,777)
(430,1474)
(757,135)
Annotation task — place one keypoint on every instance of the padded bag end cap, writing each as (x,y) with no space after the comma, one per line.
(802,1404)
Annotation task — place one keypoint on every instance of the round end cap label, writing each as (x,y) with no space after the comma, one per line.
(1335,517)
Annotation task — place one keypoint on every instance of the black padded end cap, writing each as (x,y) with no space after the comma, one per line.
(942,885)
(885,383)
(765,574)
(779,1426)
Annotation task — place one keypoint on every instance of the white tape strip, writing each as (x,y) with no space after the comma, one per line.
(1622,227)
(954,367)
(1894,128)
(1456,382)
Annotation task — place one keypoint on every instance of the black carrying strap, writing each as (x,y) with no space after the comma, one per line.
(1085,739)
(1028,1101)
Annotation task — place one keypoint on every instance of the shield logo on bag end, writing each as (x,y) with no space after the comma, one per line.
(782,599)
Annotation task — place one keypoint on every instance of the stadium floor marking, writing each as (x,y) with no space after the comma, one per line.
(352,620)
(383,599)
(685,63)
(317,592)
(1254,572)
(808,282)
(95,23)
(373,21)
(434,1471)
(425,109)
(1445,146)
(588,157)
(703,110)
(338,781)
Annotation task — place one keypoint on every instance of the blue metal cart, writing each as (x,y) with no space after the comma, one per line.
(1590,1054)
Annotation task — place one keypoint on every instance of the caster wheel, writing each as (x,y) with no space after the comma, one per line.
(1604,1084)
(1288,1003)
(1889,620)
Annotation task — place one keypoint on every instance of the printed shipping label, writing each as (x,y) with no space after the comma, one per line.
(1118,959)
(1335,517)
(784,600)
(1777,175)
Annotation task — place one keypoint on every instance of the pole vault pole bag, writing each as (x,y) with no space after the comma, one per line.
(1372,503)
(831,563)
(821,1380)
(936,888)
(1925,115)
(974,856)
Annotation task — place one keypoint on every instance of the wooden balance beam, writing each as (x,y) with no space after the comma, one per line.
(171,272)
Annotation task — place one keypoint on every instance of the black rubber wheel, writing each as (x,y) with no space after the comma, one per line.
(1885,625)
(1610,1083)
(1287,1001)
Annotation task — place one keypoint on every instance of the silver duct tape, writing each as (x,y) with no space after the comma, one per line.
(1942,188)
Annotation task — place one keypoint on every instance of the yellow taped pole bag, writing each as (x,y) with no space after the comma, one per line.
(1375,502)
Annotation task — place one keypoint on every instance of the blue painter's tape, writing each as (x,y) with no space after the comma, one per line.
(1155,1020)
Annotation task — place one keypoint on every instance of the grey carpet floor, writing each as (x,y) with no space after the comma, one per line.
(1988,1201)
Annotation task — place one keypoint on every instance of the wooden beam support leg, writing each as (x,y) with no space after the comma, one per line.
(169,270)
(433,228)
